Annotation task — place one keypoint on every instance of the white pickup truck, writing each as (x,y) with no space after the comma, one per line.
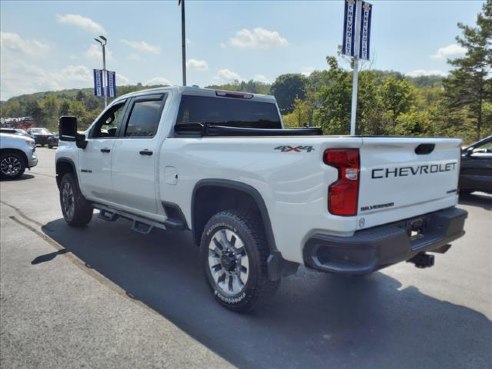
(259,199)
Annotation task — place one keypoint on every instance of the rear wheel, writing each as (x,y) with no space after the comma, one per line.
(234,254)
(77,211)
(12,165)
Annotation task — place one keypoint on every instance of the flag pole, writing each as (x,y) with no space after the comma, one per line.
(355,74)
(183,39)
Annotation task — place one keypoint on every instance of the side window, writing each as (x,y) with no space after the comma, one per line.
(484,148)
(484,151)
(144,117)
(109,123)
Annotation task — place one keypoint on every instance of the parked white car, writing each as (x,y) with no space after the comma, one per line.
(17,152)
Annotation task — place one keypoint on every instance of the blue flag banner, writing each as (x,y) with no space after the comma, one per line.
(98,82)
(365,31)
(349,28)
(111,84)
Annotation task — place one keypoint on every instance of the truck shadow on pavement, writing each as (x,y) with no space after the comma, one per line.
(21,178)
(315,320)
(477,199)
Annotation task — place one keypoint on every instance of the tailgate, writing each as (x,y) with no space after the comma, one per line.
(404,177)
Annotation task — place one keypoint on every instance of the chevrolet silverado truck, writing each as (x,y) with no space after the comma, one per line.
(17,152)
(259,199)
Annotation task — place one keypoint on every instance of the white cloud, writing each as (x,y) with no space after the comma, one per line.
(74,73)
(142,46)
(227,76)
(21,71)
(94,52)
(134,57)
(257,38)
(222,45)
(122,80)
(194,64)
(157,81)
(261,78)
(12,42)
(188,41)
(307,71)
(80,21)
(449,51)
(24,78)
(17,76)
(425,72)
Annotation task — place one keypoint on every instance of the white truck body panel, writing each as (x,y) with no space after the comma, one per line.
(293,185)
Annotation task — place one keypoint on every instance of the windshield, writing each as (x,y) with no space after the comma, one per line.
(231,112)
(40,131)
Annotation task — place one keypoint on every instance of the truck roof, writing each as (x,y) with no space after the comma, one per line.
(197,91)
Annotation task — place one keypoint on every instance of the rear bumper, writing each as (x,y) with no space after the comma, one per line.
(378,247)
(41,140)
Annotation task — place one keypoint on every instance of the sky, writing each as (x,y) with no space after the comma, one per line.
(49,45)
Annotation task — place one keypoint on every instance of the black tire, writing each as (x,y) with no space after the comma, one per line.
(77,211)
(50,146)
(12,165)
(242,287)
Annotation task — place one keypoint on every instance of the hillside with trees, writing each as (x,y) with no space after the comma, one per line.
(389,103)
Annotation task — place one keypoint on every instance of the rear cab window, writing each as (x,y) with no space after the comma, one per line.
(230,112)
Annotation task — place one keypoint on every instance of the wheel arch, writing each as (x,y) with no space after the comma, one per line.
(15,151)
(63,166)
(231,194)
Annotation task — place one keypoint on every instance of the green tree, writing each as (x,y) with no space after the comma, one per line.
(469,86)
(288,87)
(64,107)
(397,97)
(333,114)
(414,123)
(301,115)
(34,110)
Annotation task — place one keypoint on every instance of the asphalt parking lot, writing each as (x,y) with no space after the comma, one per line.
(106,297)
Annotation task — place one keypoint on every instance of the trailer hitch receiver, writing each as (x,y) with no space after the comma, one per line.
(422,260)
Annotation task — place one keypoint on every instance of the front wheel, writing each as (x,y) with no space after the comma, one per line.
(12,165)
(77,211)
(234,253)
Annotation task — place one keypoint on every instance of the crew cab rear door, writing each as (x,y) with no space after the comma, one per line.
(135,154)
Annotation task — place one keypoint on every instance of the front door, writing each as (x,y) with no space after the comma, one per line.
(96,159)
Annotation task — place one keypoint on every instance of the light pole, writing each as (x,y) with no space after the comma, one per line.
(183,38)
(103,41)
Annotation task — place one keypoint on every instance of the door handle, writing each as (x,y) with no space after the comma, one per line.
(146,152)
(105,150)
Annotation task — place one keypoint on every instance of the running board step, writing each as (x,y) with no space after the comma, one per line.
(108,216)
(139,224)
(140,227)
(175,224)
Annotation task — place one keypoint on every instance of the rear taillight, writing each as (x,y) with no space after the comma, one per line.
(343,195)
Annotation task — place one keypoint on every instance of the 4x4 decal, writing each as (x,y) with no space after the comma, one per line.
(294,148)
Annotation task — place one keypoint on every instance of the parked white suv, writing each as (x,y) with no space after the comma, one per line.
(17,153)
